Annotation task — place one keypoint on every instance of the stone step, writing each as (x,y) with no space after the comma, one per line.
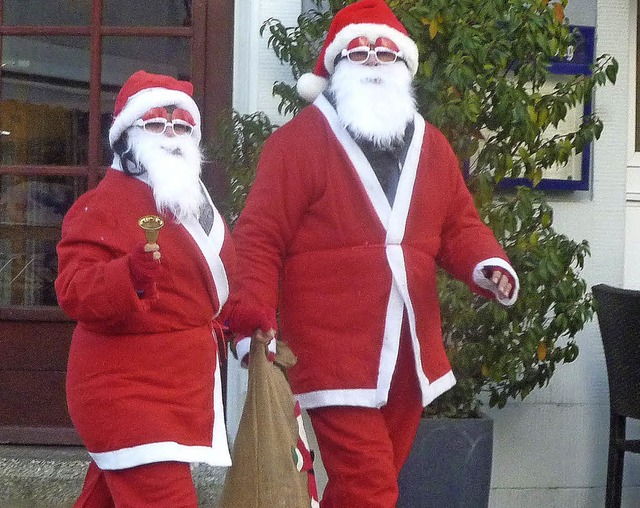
(52,476)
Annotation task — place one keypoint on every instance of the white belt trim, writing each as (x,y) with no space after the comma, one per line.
(156,452)
(390,344)
(220,444)
(350,397)
(437,387)
(210,246)
(368,397)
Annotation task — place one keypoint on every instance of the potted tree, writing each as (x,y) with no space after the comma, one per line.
(483,80)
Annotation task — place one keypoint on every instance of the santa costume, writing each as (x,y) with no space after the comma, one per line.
(350,265)
(143,379)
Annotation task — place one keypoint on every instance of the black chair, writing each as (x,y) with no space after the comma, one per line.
(618,312)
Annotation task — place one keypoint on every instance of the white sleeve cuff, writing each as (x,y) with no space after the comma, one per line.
(482,281)
(244,345)
(242,350)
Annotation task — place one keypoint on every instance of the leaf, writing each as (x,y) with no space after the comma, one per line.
(433,28)
(612,71)
(542,351)
(558,12)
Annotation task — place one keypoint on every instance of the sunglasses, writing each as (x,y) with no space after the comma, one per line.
(156,121)
(384,50)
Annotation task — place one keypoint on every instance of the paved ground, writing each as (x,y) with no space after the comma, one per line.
(51,477)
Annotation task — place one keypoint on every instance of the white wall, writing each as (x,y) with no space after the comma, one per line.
(632,241)
(549,450)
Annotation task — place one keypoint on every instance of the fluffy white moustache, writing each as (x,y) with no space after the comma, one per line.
(374,102)
(173,167)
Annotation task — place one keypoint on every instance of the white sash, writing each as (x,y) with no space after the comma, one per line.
(210,245)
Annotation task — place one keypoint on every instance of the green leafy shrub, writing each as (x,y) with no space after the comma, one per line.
(484,80)
(238,147)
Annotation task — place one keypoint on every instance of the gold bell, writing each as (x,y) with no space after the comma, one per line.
(151,225)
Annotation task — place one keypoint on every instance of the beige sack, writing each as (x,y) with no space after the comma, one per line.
(271,463)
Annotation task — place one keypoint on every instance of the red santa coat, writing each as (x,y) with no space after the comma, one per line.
(318,238)
(143,383)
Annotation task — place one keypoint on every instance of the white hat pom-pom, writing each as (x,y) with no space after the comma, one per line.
(311,85)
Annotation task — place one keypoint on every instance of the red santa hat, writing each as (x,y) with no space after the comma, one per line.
(368,18)
(143,91)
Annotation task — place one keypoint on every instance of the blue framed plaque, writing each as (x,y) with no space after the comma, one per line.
(575,175)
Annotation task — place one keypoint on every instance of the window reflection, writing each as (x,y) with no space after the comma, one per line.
(44,100)
(147,13)
(41,134)
(31,210)
(170,13)
(49,12)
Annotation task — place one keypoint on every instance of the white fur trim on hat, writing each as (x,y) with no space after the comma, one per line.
(372,31)
(141,102)
(311,85)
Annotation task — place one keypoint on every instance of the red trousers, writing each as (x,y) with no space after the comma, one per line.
(158,485)
(363,449)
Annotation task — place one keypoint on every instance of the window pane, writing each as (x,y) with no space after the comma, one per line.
(31,211)
(125,55)
(48,12)
(147,13)
(44,100)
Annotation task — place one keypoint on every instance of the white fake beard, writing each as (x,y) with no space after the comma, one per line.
(173,167)
(374,102)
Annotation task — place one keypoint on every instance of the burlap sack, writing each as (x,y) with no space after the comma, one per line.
(271,464)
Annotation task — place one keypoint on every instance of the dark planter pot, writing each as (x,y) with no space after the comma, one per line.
(449,465)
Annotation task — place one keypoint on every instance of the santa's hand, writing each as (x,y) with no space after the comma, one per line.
(264,337)
(247,320)
(144,265)
(503,281)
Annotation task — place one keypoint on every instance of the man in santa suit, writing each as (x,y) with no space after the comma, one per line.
(355,203)
(143,380)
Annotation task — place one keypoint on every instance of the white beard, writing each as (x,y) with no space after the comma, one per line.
(173,167)
(374,102)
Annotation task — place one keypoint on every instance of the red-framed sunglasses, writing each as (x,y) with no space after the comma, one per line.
(156,121)
(384,50)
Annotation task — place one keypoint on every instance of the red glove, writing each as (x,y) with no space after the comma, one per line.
(144,268)
(496,274)
(246,319)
